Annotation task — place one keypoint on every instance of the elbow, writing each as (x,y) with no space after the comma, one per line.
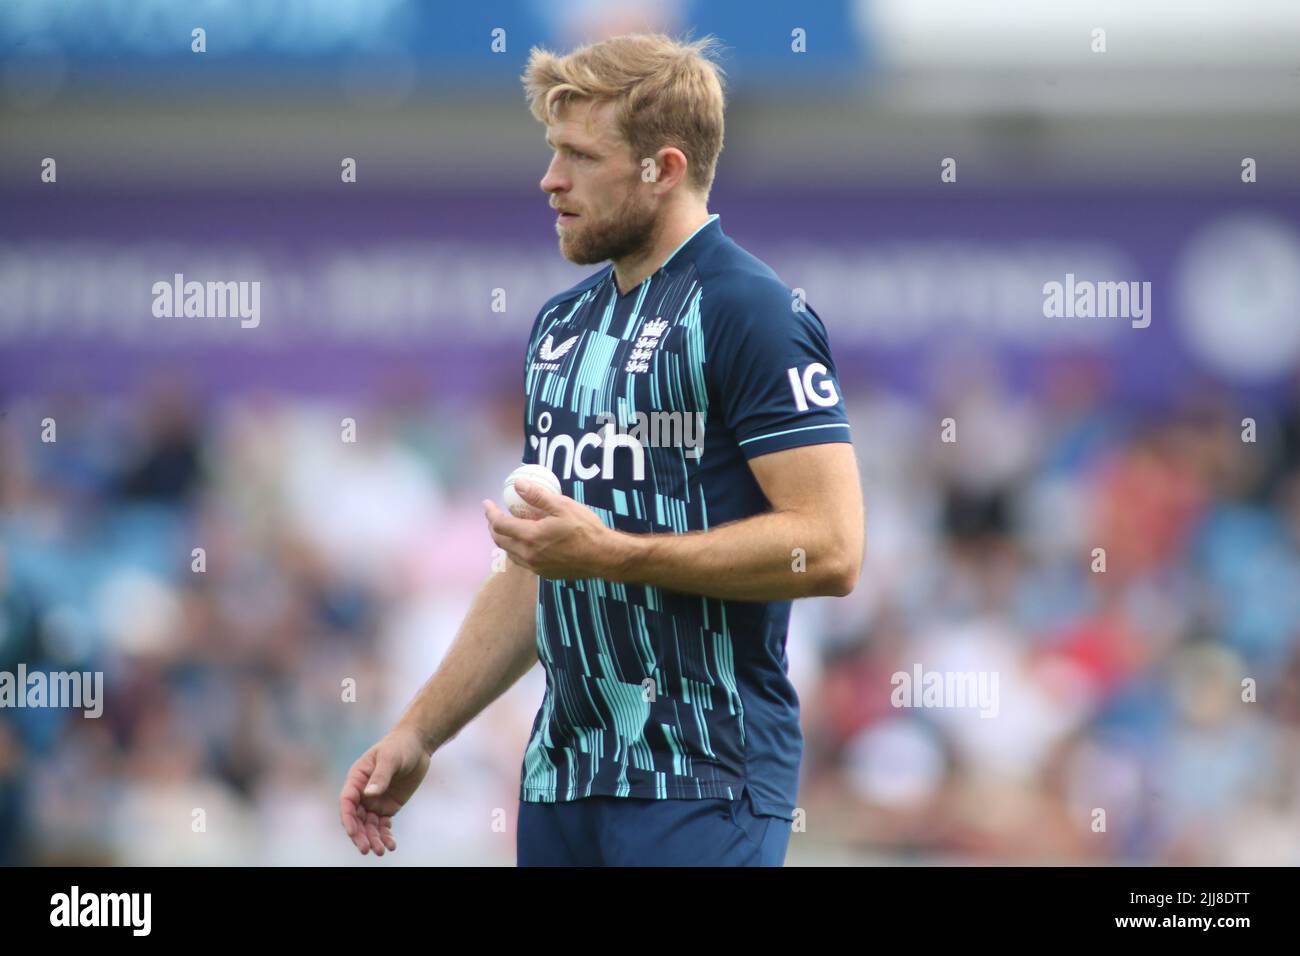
(841,568)
(844,578)
(847,566)
(842,585)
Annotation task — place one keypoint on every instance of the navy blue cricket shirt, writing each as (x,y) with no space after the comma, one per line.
(647,406)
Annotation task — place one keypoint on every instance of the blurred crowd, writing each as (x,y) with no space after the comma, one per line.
(264,596)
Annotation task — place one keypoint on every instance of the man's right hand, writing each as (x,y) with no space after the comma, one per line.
(378,785)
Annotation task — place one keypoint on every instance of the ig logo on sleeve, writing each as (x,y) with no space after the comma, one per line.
(814,385)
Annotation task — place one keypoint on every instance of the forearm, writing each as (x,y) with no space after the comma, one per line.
(496,645)
(773,556)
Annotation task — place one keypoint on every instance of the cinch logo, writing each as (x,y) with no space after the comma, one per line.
(550,353)
(607,438)
(807,388)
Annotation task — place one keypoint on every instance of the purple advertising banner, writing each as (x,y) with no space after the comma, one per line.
(358,291)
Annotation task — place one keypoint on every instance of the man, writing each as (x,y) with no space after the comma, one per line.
(687,401)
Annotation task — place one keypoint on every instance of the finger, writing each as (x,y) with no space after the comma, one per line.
(348,816)
(502,541)
(368,830)
(511,545)
(385,767)
(540,496)
(507,524)
(493,513)
(359,839)
(518,555)
(386,831)
(350,800)
(357,776)
(362,841)
(372,831)
(353,816)
(345,812)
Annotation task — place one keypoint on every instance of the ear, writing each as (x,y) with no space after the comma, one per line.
(670,167)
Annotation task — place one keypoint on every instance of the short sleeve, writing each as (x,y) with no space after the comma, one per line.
(771,370)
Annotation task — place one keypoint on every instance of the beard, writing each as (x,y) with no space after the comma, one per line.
(623,234)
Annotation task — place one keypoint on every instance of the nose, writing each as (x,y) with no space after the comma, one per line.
(554,181)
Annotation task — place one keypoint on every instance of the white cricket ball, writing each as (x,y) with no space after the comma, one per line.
(538,474)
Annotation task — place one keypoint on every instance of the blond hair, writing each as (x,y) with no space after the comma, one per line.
(665,92)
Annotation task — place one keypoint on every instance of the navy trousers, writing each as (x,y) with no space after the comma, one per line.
(636,831)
